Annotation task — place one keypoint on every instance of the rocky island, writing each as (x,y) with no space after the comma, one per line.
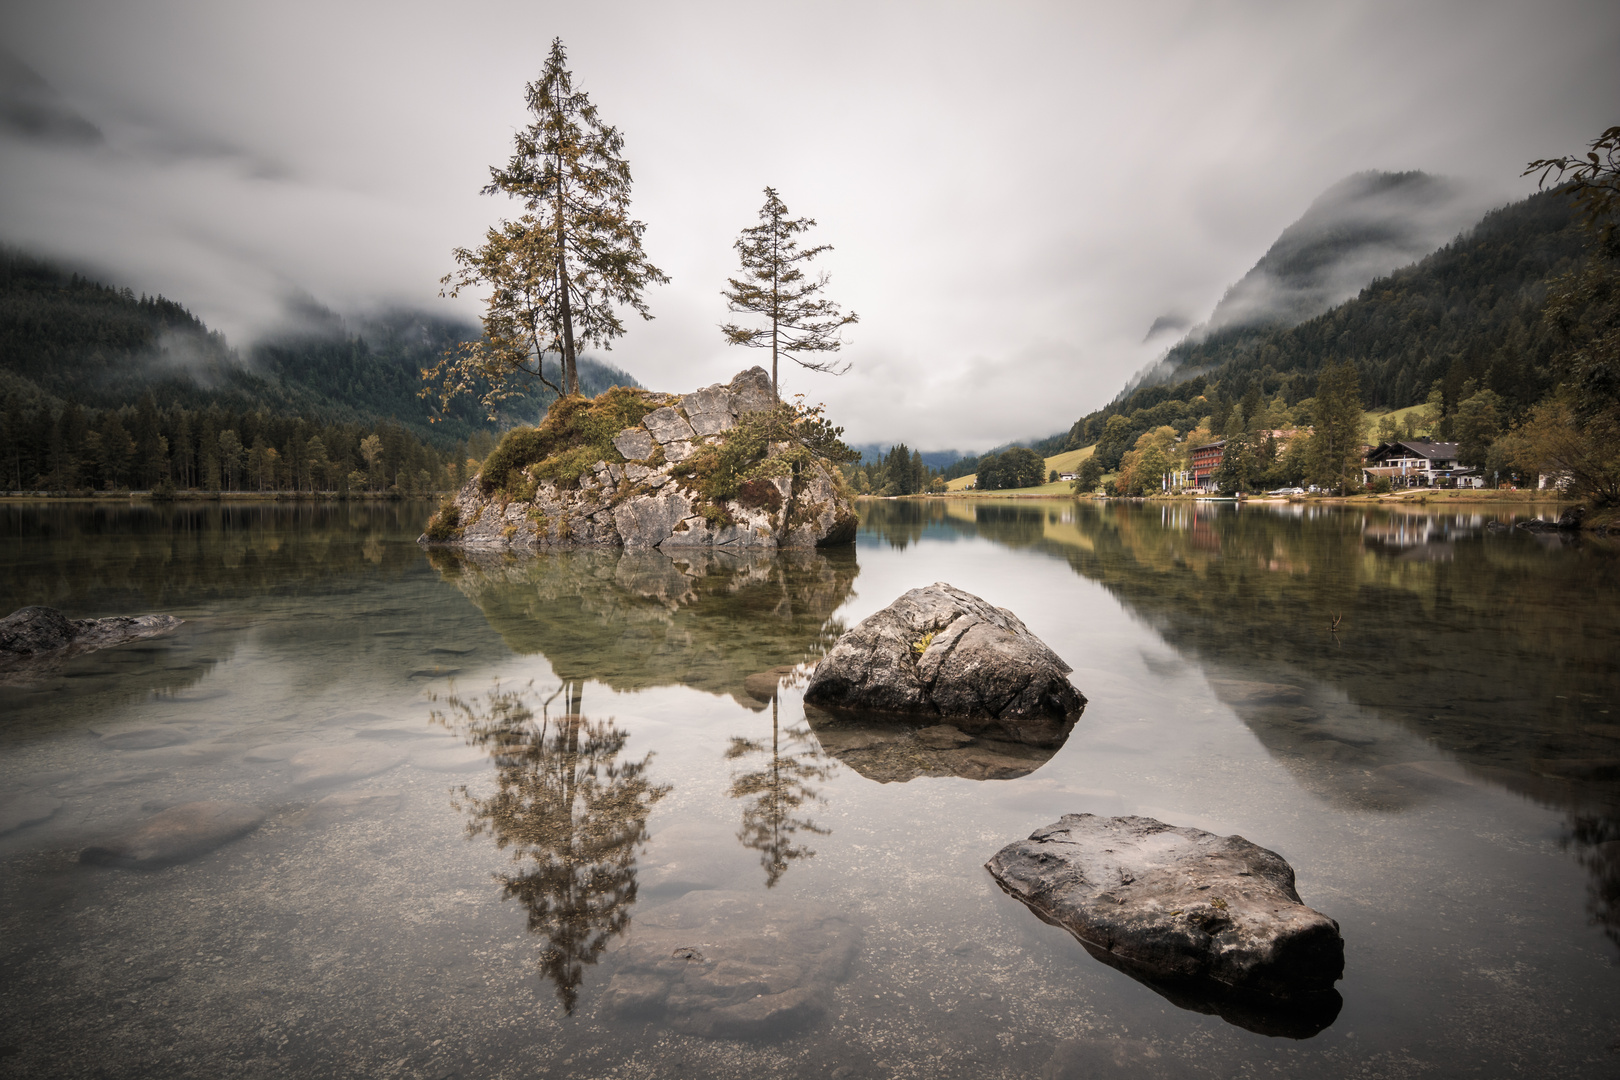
(728,466)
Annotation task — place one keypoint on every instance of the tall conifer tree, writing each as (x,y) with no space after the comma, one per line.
(558,273)
(803,324)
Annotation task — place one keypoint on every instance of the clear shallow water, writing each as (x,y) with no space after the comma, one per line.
(499,794)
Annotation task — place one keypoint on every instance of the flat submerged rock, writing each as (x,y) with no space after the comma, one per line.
(1177,903)
(732,965)
(176,835)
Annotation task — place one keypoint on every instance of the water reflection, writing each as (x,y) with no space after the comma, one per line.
(639,619)
(573,816)
(1465,654)
(893,751)
(776,791)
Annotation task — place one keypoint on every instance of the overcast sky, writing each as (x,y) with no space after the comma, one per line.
(1015,191)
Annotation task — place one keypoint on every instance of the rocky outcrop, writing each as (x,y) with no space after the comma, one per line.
(941,653)
(1179,903)
(643,492)
(41,631)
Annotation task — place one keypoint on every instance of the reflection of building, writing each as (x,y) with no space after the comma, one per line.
(570,813)
(1419,463)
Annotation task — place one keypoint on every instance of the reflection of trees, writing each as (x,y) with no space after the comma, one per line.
(187,553)
(572,815)
(1596,840)
(776,791)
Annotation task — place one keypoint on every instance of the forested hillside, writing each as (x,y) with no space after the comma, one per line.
(101,388)
(1470,311)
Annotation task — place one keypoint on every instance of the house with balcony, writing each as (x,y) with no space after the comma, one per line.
(1417,463)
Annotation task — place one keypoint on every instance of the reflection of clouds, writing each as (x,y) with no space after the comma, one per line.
(775,791)
(571,814)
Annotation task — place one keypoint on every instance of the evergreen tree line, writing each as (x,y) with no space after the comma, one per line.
(66,337)
(66,447)
(901,471)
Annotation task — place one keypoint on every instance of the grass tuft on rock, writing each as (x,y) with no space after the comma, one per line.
(576,433)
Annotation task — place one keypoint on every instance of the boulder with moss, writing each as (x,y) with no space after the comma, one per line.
(727,466)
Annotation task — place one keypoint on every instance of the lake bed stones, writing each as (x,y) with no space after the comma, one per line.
(940,652)
(175,835)
(36,630)
(1177,902)
(724,964)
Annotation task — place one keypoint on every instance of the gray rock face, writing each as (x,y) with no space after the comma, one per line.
(731,964)
(634,443)
(176,835)
(941,652)
(637,505)
(667,425)
(1177,902)
(33,631)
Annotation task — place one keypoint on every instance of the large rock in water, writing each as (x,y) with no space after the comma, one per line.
(1177,902)
(640,495)
(34,631)
(941,653)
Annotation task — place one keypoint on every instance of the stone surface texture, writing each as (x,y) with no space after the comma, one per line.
(36,631)
(727,964)
(175,835)
(1178,902)
(639,504)
(941,653)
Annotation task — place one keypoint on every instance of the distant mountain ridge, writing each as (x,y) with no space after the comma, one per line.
(1362,228)
(1469,311)
(66,337)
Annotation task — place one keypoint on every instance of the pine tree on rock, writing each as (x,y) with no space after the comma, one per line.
(557,274)
(803,324)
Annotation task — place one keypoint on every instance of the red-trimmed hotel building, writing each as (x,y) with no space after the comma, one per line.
(1205,460)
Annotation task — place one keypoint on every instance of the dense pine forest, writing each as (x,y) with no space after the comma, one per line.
(101,389)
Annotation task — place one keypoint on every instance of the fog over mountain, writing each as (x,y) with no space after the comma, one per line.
(1355,232)
(1014,193)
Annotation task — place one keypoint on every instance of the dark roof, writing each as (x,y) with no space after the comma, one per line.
(1434,451)
(1206,446)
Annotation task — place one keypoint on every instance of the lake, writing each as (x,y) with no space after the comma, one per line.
(567,815)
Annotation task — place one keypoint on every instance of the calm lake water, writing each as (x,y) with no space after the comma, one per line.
(546,816)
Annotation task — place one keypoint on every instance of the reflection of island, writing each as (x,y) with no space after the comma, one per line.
(889,750)
(573,816)
(776,792)
(637,619)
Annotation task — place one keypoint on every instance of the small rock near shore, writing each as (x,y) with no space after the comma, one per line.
(32,631)
(1179,902)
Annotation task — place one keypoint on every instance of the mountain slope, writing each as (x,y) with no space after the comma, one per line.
(1471,310)
(1361,228)
(65,337)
